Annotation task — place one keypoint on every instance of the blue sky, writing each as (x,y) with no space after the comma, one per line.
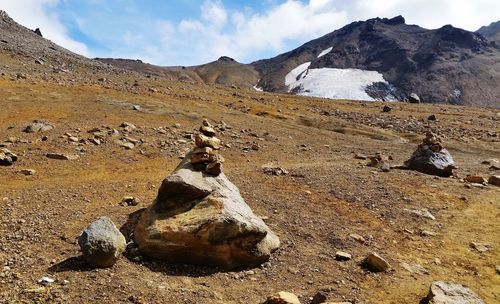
(190,32)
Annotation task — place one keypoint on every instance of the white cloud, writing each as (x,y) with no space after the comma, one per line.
(246,35)
(133,31)
(37,13)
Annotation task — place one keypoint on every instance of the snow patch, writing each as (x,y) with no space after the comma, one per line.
(293,75)
(256,88)
(324,52)
(332,83)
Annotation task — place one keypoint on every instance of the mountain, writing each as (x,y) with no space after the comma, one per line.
(376,59)
(491,32)
(224,71)
(388,59)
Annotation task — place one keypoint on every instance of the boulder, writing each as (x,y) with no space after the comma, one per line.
(431,158)
(101,243)
(450,293)
(38,126)
(413,98)
(283,297)
(198,218)
(7,158)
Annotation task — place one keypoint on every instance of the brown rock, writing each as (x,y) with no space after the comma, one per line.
(494,180)
(208,131)
(375,263)
(202,219)
(214,168)
(62,156)
(283,297)
(206,141)
(474,179)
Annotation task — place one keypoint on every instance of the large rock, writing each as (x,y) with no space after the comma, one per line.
(7,158)
(431,158)
(199,218)
(450,293)
(38,126)
(102,243)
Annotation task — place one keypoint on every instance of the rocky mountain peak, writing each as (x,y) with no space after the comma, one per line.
(226,59)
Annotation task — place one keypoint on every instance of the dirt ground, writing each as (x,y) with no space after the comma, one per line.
(327,195)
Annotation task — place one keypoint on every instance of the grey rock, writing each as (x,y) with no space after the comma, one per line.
(480,247)
(414,268)
(7,158)
(101,243)
(422,213)
(451,293)
(425,160)
(38,126)
(202,219)
(413,98)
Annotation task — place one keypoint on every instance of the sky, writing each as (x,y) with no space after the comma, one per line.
(192,32)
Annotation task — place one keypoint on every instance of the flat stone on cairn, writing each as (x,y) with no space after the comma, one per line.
(199,216)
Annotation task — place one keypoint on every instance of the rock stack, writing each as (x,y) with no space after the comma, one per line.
(205,156)
(199,216)
(431,158)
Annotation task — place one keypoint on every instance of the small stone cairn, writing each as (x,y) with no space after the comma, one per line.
(205,156)
(430,157)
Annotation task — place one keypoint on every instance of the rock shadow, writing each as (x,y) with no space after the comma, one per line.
(76,263)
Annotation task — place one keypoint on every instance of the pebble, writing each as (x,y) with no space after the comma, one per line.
(283,297)
(474,179)
(342,256)
(62,156)
(480,247)
(358,238)
(45,281)
(129,201)
(27,171)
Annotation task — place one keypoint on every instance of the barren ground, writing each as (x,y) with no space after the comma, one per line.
(327,195)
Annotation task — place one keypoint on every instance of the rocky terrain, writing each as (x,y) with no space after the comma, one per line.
(81,139)
(491,32)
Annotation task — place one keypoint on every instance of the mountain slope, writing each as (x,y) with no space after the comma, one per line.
(443,65)
(491,32)
(224,71)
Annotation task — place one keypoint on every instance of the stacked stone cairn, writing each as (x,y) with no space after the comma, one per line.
(430,157)
(205,156)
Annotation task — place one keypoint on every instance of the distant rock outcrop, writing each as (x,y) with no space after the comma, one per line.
(491,32)
(38,32)
(442,65)
(200,217)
